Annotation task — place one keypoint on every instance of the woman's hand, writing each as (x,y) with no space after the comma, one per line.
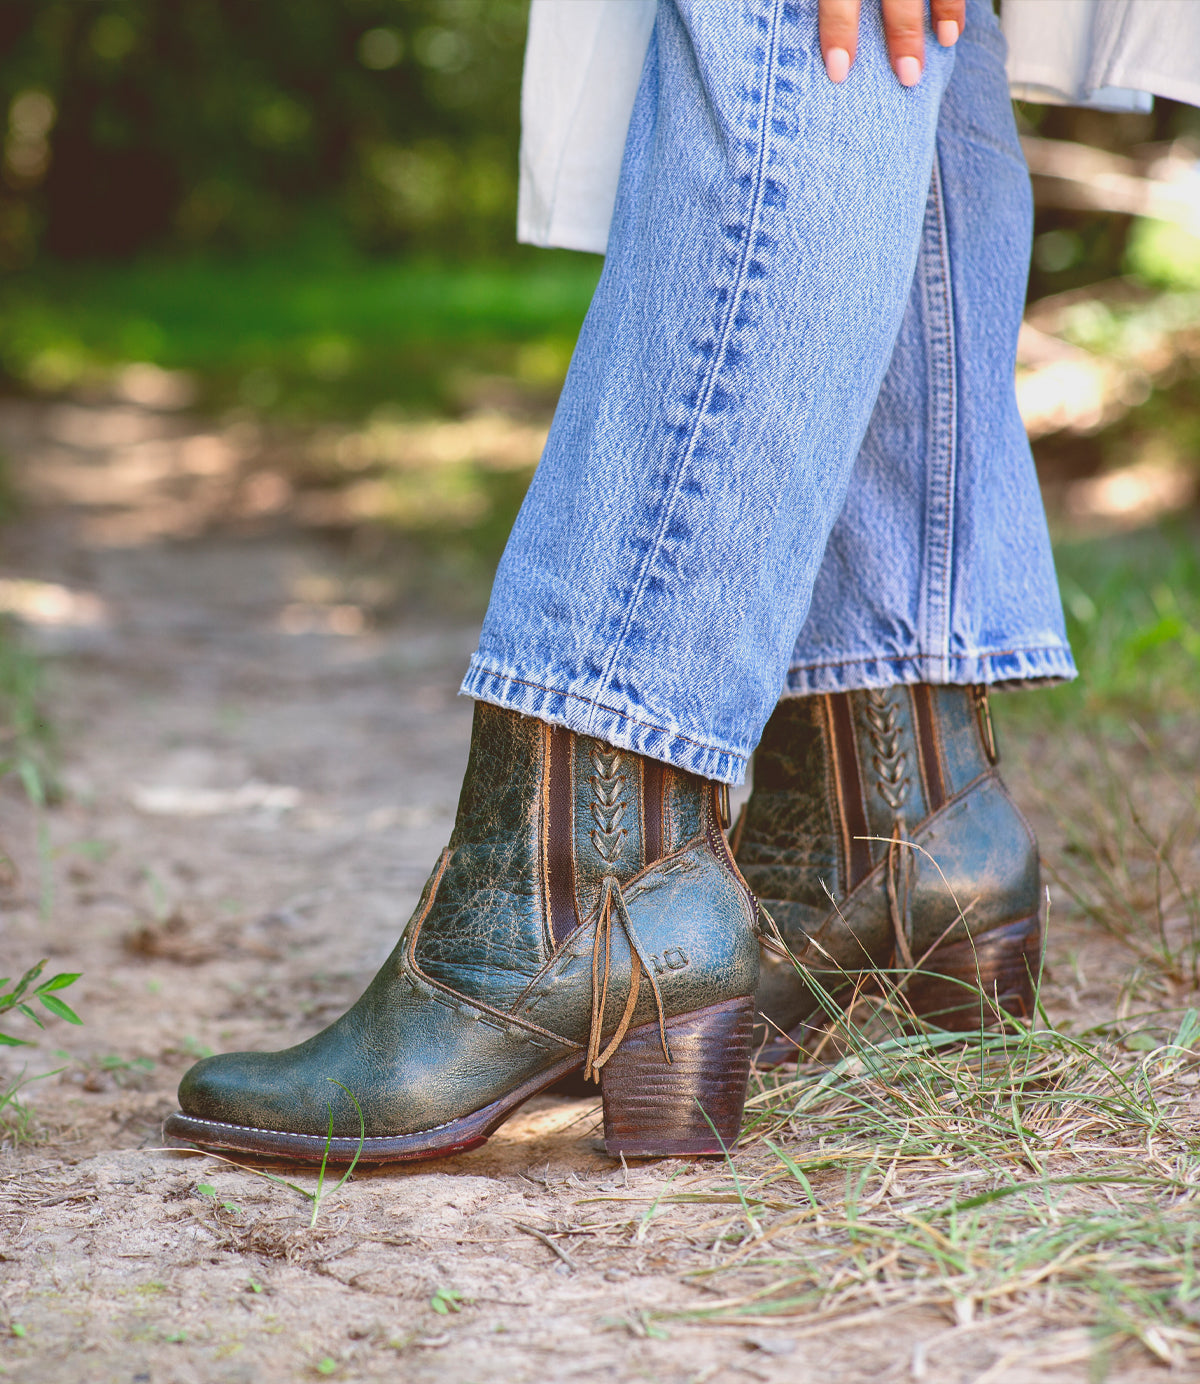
(904,24)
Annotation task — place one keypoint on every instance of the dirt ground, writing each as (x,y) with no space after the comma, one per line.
(256,782)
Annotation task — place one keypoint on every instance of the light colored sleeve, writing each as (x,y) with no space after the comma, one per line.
(583,63)
(1113,54)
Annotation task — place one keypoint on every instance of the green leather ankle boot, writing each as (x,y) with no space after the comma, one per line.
(879,836)
(586,914)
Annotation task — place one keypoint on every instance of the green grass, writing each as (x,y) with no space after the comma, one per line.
(26,745)
(18,997)
(311,338)
(1039,1185)
(979,1171)
(24,731)
(1034,1179)
(1132,605)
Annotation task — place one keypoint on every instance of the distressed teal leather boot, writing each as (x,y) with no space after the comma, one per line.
(879,836)
(587,915)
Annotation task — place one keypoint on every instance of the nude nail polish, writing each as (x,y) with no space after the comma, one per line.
(909,71)
(837,64)
(947,32)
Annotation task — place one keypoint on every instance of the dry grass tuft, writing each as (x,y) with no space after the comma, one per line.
(1038,1184)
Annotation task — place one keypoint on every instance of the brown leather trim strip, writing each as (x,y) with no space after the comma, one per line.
(652,811)
(927,743)
(560,863)
(849,786)
(413,931)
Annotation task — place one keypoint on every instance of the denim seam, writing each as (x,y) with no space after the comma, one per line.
(603,706)
(943,404)
(706,390)
(1024,667)
(919,657)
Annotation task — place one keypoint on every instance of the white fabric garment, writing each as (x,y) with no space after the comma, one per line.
(583,62)
(584,59)
(1115,54)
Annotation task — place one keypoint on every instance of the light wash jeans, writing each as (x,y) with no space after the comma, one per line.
(787,457)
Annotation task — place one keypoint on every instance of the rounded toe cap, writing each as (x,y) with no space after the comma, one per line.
(221,1089)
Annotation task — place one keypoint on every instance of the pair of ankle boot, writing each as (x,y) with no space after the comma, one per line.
(589,916)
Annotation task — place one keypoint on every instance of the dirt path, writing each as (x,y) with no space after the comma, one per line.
(256,786)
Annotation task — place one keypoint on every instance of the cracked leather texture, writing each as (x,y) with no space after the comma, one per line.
(486,933)
(682,805)
(470,1004)
(690,915)
(788,847)
(979,838)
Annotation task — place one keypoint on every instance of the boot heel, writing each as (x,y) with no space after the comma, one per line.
(656,1109)
(999,967)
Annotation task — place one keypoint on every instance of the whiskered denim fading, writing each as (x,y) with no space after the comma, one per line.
(787,457)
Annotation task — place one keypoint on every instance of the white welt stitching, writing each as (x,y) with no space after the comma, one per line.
(321,1138)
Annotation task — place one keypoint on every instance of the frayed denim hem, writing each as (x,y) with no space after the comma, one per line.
(625,728)
(1008,667)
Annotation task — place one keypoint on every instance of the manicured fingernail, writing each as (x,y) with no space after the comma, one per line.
(947,32)
(908,70)
(837,64)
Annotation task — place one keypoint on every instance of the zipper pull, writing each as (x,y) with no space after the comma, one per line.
(983,713)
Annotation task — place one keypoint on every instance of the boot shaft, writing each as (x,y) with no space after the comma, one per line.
(544,817)
(836,774)
(586,911)
(879,835)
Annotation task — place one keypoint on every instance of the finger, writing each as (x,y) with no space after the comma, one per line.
(838,24)
(904,25)
(949,18)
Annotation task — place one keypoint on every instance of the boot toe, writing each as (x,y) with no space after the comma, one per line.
(245,1089)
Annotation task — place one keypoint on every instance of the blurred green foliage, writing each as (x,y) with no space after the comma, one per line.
(1073,248)
(308,208)
(303,337)
(140,123)
(1164,255)
(1132,604)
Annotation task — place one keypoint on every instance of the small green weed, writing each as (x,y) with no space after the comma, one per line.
(24,731)
(22,994)
(315,1198)
(25,748)
(446,1300)
(125,1072)
(206,1189)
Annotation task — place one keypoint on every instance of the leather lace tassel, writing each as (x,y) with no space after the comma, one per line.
(901,914)
(612,902)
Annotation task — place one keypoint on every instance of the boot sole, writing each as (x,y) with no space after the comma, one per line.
(441,1141)
(651,1110)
